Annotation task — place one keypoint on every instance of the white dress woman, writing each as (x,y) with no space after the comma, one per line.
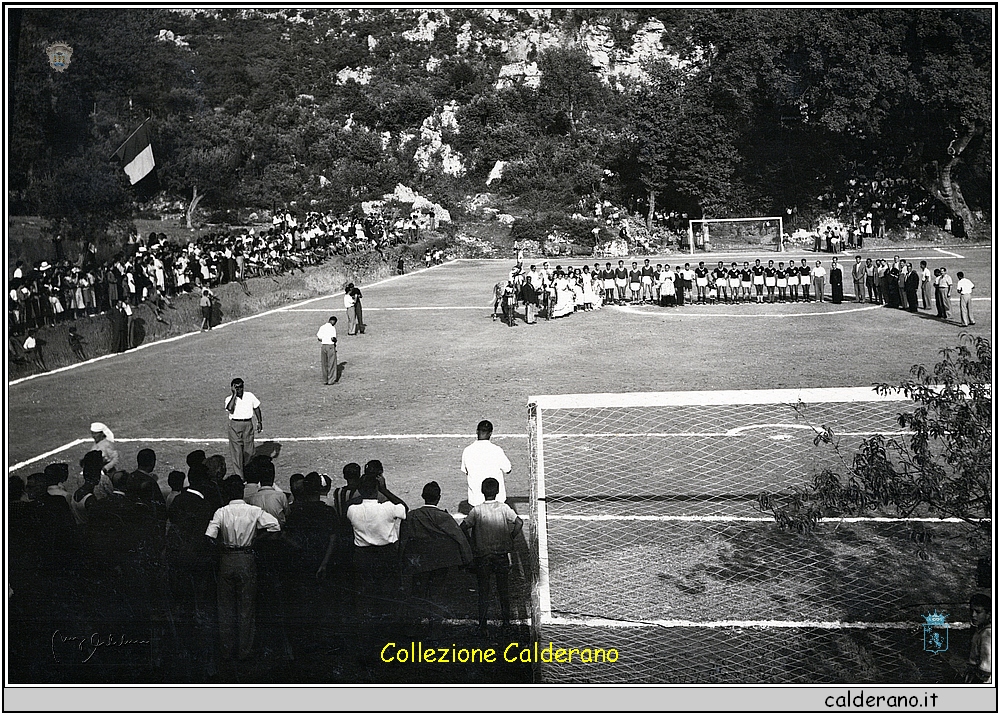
(564,298)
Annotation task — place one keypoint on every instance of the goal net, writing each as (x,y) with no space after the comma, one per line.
(649,544)
(735,234)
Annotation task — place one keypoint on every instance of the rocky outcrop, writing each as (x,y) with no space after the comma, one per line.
(433,150)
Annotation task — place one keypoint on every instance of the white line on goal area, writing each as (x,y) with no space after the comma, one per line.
(751,519)
(712,398)
(679,623)
(735,432)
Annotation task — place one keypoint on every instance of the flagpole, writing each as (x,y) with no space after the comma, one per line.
(115,154)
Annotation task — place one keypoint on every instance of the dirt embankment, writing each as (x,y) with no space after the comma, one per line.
(262,294)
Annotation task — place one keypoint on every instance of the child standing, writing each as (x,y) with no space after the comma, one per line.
(493,526)
(980,664)
(206,309)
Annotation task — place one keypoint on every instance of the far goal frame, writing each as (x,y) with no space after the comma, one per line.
(703,222)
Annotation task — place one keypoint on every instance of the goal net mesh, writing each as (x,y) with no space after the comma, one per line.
(736,234)
(649,542)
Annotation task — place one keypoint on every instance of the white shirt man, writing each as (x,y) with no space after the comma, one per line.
(964,288)
(327,336)
(237,524)
(244,406)
(483,459)
(375,523)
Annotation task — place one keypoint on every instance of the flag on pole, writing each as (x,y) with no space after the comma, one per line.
(136,155)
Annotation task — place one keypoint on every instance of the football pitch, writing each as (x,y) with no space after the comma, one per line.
(433,363)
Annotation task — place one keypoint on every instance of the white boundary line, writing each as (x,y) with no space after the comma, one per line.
(224,440)
(709,398)
(57,450)
(219,327)
(324,438)
(768,519)
(544,593)
(661,314)
(949,253)
(413,307)
(678,623)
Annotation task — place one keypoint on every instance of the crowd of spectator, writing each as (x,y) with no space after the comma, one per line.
(154,269)
(884,204)
(215,571)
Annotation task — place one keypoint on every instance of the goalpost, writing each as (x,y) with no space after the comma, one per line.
(735,233)
(655,563)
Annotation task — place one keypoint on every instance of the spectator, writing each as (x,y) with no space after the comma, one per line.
(944,293)
(376,533)
(481,460)
(492,526)
(234,528)
(980,664)
(205,303)
(84,498)
(143,487)
(190,567)
(175,482)
(33,350)
(76,343)
(270,554)
(964,288)
(430,542)
(311,526)
(271,500)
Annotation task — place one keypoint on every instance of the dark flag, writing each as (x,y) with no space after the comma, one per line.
(136,155)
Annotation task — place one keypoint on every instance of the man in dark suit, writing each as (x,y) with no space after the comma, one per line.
(192,568)
(530,298)
(430,542)
(911,284)
(836,282)
(143,487)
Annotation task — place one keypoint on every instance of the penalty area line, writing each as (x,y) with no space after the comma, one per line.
(753,519)
(679,623)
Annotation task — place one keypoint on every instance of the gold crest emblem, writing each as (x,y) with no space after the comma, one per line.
(59,54)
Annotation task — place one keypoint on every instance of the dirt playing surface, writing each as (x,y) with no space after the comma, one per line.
(432,362)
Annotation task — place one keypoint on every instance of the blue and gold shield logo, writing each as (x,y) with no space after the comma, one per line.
(936,632)
(59,54)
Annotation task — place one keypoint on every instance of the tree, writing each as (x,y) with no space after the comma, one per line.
(910,88)
(203,157)
(943,468)
(686,145)
(569,83)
